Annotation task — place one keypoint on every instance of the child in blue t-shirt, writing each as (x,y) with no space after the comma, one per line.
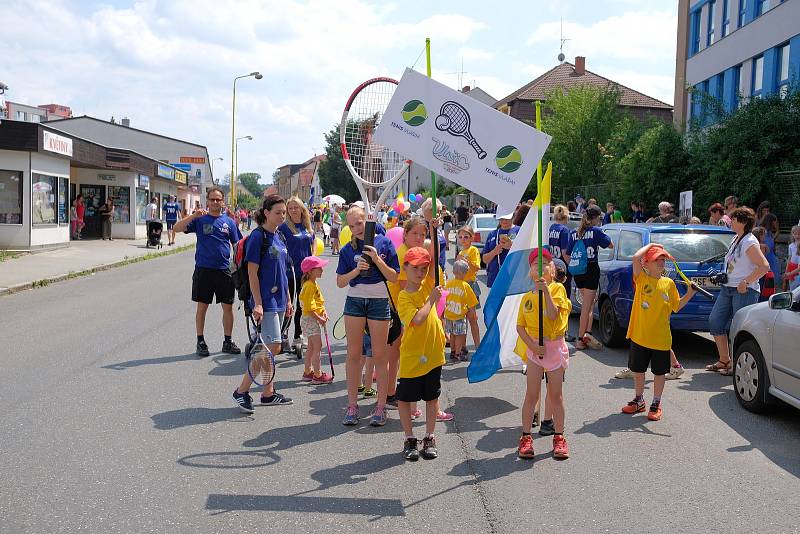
(172,211)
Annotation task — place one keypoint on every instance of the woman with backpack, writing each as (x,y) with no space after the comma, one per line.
(299,236)
(582,248)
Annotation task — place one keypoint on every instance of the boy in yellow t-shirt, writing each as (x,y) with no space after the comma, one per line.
(421,353)
(552,358)
(655,299)
(460,301)
(472,256)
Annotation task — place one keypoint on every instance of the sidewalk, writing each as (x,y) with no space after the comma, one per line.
(30,270)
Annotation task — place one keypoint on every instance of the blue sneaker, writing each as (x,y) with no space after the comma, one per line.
(351,416)
(243,401)
(378,416)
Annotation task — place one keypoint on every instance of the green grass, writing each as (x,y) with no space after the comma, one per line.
(5,255)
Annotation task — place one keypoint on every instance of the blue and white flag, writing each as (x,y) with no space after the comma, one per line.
(496,350)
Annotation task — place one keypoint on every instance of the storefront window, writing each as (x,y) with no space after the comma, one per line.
(141,205)
(63,189)
(10,197)
(121,197)
(43,199)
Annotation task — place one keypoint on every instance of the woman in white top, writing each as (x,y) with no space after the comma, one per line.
(744,264)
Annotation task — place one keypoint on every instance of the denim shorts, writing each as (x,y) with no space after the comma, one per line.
(728,302)
(375,309)
(271,327)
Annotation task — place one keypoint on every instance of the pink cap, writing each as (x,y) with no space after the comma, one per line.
(312,262)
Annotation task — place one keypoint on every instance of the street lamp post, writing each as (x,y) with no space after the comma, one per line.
(213,182)
(257,75)
(236,164)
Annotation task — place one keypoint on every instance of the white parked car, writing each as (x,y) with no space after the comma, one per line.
(765,341)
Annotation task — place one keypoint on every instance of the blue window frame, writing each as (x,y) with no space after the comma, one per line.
(762,6)
(782,71)
(742,13)
(737,86)
(694,45)
(726,18)
(758,77)
(710,25)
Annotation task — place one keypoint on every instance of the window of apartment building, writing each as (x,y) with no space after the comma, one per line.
(10,197)
(694,45)
(35,117)
(762,6)
(726,18)
(738,83)
(742,13)
(711,16)
(758,77)
(782,71)
(20,115)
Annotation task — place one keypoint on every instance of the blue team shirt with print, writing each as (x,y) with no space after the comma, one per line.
(215,235)
(593,239)
(299,244)
(348,259)
(493,269)
(558,240)
(171,211)
(272,268)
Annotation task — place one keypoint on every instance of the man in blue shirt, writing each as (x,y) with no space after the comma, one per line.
(171,212)
(216,233)
(497,245)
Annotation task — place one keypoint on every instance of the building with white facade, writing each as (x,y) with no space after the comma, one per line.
(732,50)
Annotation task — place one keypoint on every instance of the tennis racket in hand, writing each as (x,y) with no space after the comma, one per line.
(260,362)
(330,354)
(454,119)
(339,332)
(688,282)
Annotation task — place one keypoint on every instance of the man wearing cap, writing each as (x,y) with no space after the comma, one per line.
(654,300)
(498,243)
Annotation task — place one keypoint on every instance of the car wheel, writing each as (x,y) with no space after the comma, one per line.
(611,332)
(750,380)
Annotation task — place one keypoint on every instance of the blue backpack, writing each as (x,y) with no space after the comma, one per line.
(578,262)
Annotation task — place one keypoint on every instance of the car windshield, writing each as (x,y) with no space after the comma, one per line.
(693,246)
(486,223)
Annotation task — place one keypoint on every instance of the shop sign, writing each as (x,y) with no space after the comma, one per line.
(181,177)
(106,177)
(57,143)
(185,167)
(166,172)
(144,181)
(192,159)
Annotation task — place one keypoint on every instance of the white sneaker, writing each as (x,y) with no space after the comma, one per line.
(625,373)
(674,373)
(591,342)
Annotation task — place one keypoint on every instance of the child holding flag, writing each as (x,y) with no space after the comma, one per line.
(460,301)
(551,359)
(421,353)
(654,300)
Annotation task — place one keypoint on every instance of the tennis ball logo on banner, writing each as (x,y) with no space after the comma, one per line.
(508,159)
(414,113)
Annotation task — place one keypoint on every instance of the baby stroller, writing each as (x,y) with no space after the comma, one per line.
(154,229)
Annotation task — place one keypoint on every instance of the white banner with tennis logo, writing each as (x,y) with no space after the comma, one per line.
(467,142)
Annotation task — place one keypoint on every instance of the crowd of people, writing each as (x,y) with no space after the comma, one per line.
(402,309)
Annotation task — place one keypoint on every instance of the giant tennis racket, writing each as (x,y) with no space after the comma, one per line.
(372,165)
(688,282)
(454,119)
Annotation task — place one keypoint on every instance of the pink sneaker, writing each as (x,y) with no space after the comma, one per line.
(324,378)
(444,416)
(415,414)
(308,377)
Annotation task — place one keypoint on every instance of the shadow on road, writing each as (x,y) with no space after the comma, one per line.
(231,459)
(320,505)
(196,416)
(151,361)
(618,422)
(774,434)
(356,472)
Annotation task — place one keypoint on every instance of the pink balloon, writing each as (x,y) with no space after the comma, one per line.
(442,302)
(395,235)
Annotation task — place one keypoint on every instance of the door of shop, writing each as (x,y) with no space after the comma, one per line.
(94,196)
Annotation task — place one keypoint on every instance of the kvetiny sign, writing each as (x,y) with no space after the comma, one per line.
(464,140)
(57,143)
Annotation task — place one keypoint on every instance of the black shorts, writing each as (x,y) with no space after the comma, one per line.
(170,224)
(427,387)
(640,357)
(208,283)
(590,279)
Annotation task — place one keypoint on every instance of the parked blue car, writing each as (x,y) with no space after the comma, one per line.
(699,251)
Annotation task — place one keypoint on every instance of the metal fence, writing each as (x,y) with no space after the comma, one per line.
(603,193)
(784,198)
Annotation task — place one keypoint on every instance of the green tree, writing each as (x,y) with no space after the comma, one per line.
(334,178)
(250,181)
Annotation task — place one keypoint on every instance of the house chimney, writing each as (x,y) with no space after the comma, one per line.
(125,122)
(580,65)
(466,89)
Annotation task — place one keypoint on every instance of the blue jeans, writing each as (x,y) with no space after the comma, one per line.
(374,309)
(728,302)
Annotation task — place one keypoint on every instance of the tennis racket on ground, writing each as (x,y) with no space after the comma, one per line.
(688,282)
(339,332)
(454,119)
(260,360)
(372,165)
(330,354)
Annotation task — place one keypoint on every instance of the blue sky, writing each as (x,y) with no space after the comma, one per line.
(169,65)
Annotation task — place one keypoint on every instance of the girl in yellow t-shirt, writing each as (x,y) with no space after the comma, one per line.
(470,254)
(313,319)
(460,301)
(552,358)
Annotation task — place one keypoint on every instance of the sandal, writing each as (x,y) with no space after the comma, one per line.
(718,366)
(728,371)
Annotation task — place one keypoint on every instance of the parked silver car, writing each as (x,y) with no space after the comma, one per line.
(766,353)
(482,224)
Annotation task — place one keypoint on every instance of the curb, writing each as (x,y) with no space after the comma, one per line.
(103,267)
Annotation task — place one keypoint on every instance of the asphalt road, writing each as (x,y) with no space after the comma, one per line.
(109,423)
